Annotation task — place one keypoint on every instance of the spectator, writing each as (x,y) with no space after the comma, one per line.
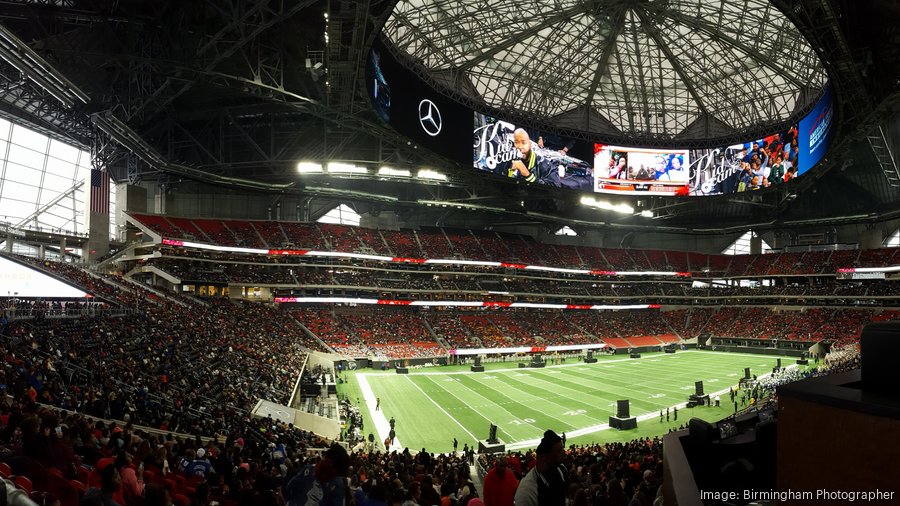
(322,484)
(500,485)
(132,482)
(545,484)
(110,485)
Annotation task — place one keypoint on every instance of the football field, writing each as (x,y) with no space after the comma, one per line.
(433,405)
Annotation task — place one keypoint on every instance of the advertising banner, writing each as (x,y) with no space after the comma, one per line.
(816,131)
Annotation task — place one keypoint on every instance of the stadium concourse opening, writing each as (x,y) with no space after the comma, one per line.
(449,252)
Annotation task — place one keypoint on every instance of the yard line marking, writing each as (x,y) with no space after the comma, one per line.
(518,445)
(510,413)
(440,408)
(382,427)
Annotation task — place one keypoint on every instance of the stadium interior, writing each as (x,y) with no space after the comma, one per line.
(246,259)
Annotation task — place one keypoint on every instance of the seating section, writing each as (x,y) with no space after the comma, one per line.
(198,367)
(167,346)
(485,245)
(392,335)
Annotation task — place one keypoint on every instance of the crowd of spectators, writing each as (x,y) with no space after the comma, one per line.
(485,245)
(358,335)
(65,455)
(185,365)
(613,473)
(14,307)
(199,368)
(403,282)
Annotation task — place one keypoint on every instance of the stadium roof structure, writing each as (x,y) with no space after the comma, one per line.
(236,93)
(639,71)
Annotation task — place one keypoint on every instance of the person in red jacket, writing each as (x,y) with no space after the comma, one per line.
(500,485)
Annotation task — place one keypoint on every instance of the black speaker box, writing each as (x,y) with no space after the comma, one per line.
(622,423)
(879,348)
(477,368)
(403,370)
(622,410)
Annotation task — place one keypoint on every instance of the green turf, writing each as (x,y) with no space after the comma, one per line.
(434,405)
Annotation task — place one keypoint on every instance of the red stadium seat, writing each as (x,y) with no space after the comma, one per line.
(171,485)
(84,473)
(181,500)
(79,486)
(23,483)
(5,471)
(93,480)
(62,489)
(102,463)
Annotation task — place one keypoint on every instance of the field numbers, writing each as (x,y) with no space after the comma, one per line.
(522,421)
(657,396)
(489,377)
(575,412)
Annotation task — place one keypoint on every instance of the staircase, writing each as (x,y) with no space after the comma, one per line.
(882,151)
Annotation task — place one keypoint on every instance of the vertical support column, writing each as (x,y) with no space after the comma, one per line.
(96,223)
(9,242)
(62,249)
(42,254)
(755,245)
(871,238)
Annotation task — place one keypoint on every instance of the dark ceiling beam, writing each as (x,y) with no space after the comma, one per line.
(650,31)
(241,38)
(556,17)
(616,27)
(715,32)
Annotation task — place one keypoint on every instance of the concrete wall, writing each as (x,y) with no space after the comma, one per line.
(130,198)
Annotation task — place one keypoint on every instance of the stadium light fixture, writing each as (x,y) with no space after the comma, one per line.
(647,214)
(345,168)
(309,168)
(430,174)
(388,171)
(602,204)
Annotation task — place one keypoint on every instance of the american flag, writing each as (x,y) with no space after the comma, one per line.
(99,191)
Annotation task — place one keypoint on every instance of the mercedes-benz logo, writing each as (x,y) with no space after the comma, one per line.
(430,117)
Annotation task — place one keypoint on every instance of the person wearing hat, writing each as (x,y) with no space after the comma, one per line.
(200,466)
(323,483)
(545,484)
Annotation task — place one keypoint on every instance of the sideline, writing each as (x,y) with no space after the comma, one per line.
(575,364)
(382,427)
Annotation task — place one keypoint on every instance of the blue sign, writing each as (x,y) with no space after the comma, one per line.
(816,131)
